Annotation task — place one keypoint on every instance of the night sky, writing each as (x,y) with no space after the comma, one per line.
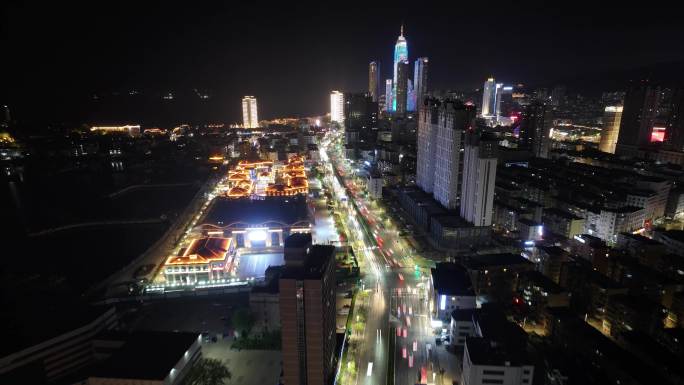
(290,56)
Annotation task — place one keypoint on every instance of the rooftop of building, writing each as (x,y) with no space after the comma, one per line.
(560,213)
(451,221)
(478,262)
(463,314)
(639,238)
(639,304)
(144,355)
(246,212)
(677,235)
(315,263)
(553,251)
(298,240)
(538,279)
(590,240)
(529,222)
(484,351)
(452,279)
(623,209)
(202,250)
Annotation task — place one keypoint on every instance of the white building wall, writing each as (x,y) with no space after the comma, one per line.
(474,374)
(477,200)
(446,161)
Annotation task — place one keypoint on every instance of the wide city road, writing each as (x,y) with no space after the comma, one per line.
(397,288)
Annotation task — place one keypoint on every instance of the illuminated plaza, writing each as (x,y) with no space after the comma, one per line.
(241,230)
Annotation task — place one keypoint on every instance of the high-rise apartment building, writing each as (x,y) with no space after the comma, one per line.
(479,174)
(441,127)
(488,98)
(374,80)
(337,107)
(420,78)
(611,127)
(250,118)
(428,118)
(401,87)
(535,126)
(455,118)
(674,136)
(307,312)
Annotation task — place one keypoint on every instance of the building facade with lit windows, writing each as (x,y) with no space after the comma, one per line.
(337,107)
(250,119)
(374,80)
(488,98)
(611,128)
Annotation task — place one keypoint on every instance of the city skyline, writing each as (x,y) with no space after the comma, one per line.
(160,63)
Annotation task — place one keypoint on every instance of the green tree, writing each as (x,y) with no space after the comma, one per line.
(207,371)
(243,321)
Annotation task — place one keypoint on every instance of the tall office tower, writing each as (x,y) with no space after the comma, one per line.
(307,312)
(337,107)
(488,97)
(420,76)
(506,101)
(401,88)
(638,115)
(428,118)
(611,127)
(558,95)
(388,95)
(479,174)
(7,119)
(373,79)
(674,136)
(455,118)
(498,90)
(535,126)
(400,56)
(411,97)
(249,112)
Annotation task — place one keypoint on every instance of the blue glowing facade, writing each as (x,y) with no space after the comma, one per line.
(400,56)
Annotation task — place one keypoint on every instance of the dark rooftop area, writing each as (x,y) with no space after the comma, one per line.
(145,355)
(484,351)
(452,279)
(503,259)
(315,264)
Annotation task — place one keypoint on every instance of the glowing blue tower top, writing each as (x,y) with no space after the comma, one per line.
(400,55)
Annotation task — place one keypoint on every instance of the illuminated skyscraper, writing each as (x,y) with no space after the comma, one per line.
(420,73)
(373,79)
(250,118)
(455,118)
(489,98)
(388,95)
(611,128)
(401,88)
(337,107)
(400,56)
(479,174)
